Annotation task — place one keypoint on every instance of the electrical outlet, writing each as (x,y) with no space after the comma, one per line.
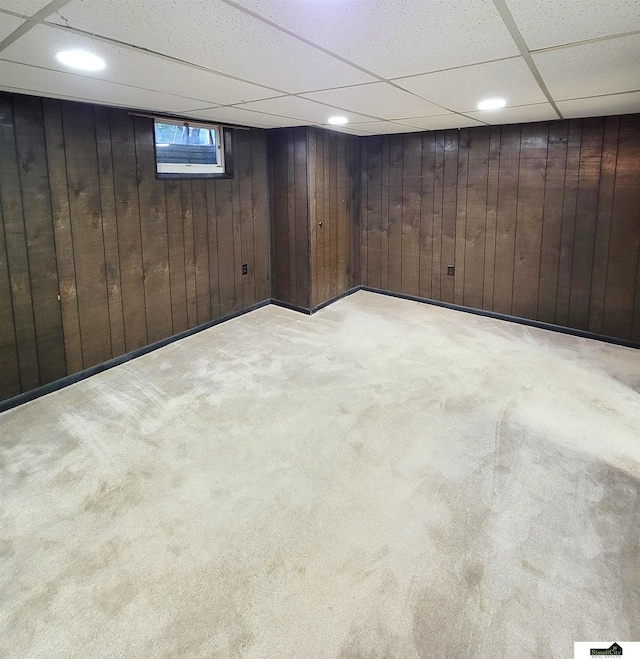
(245,268)
(451,271)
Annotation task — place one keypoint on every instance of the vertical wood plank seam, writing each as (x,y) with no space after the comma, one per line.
(73,249)
(515,227)
(26,240)
(495,237)
(309,283)
(206,222)
(55,247)
(544,198)
(104,249)
(575,221)
(420,210)
(420,214)
(166,221)
(13,314)
(486,217)
(115,222)
(544,205)
(564,189)
(253,220)
(144,273)
(466,217)
(595,228)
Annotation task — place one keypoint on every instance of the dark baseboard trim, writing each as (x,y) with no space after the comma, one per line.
(121,359)
(326,303)
(322,305)
(291,307)
(116,361)
(512,319)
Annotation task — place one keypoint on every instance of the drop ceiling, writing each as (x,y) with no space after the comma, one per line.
(389,66)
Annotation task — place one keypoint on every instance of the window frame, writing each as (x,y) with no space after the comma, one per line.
(186,171)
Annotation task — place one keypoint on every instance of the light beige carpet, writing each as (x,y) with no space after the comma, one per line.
(382,479)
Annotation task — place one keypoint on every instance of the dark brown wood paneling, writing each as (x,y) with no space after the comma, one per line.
(201,250)
(476,216)
(540,220)
(245,187)
(449,213)
(492,213)
(372,259)
(461,214)
(16,249)
(86,225)
(427,213)
(38,223)
(212,250)
(437,233)
(226,266)
(395,185)
(97,257)
(110,230)
(586,218)
(291,244)
(314,191)
(552,220)
(125,178)
(9,367)
(154,237)
(506,218)
(570,198)
(603,223)
(620,295)
(260,211)
(175,240)
(529,220)
(411,198)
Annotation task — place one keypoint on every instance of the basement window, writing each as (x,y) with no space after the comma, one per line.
(185,150)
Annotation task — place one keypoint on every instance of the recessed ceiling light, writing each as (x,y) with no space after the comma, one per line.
(492,104)
(338,120)
(81,59)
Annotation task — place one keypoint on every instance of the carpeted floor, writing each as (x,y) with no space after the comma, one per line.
(382,479)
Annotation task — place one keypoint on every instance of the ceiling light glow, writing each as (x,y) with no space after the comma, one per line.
(492,104)
(338,121)
(81,59)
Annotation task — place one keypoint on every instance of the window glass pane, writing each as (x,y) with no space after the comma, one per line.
(185,144)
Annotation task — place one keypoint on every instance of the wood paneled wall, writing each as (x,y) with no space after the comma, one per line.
(315,211)
(334,213)
(290,228)
(97,258)
(541,221)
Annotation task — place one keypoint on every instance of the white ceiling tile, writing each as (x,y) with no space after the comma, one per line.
(396,38)
(349,130)
(53,83)
(8,24)
(234,115)
(443,122)
(601,105)
(25,7)
(593,69)
(301,108)
(379,98)
(132,67)
(462,89)
(546,23)
(216,36)
(517,115)
(384,128)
